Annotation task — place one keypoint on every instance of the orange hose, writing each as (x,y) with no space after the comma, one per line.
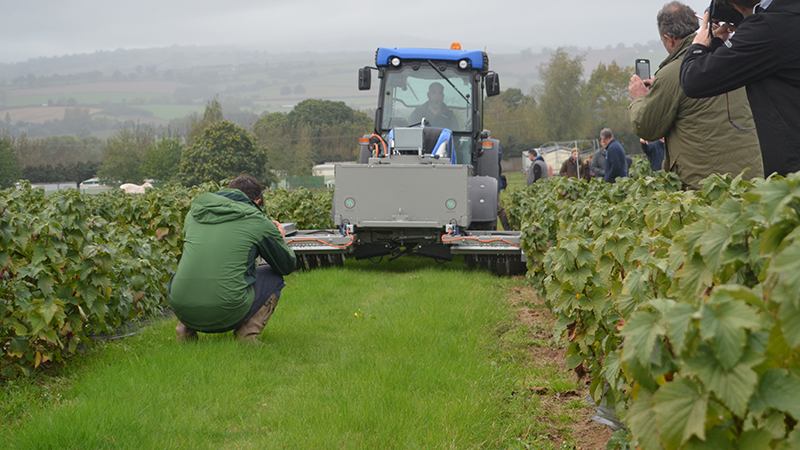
(470,238)
(323,242)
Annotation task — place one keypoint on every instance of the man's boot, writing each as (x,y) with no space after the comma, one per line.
(250,330)
(185,333)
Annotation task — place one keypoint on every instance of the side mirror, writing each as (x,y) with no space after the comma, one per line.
(364,79)
(492,84)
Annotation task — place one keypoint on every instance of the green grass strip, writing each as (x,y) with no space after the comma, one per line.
(398,355)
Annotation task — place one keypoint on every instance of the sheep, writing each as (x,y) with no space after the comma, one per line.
(131,188)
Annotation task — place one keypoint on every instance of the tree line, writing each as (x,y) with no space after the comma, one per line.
(564,107)
(208,147)
(219,144)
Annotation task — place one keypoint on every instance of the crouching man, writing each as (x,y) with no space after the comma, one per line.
(218,287)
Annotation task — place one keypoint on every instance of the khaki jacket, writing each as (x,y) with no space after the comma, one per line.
(700,140)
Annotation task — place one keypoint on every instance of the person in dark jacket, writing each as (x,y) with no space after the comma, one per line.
(538,169)
(218,287)
(616,165)
(598,164)
(764,56)
(655,153)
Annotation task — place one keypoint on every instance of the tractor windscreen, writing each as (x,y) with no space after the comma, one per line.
(442,98)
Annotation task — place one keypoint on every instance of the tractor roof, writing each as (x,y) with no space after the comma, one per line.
(477,59)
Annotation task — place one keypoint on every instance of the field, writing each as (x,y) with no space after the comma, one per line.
(411,354)
(39,114)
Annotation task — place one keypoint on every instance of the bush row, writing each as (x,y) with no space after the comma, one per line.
(683,307)
(73,266)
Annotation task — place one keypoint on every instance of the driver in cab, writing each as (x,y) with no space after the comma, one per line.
(434,111)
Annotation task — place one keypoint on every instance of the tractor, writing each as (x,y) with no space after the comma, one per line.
(426,182)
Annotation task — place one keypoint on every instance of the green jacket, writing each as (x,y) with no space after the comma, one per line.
(700,139)
(223,234)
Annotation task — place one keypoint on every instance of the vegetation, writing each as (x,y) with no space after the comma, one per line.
(222,152)
(73,266)
(314,132)
(414,354)
(681,306)
(9,171)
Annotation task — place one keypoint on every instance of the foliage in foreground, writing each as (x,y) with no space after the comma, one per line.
(73,266)
(683,307)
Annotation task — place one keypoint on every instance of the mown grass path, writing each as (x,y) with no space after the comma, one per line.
(400,355)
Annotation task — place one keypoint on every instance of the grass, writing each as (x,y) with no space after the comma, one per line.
(398,355)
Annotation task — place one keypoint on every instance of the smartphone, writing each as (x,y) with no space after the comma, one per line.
(643,68)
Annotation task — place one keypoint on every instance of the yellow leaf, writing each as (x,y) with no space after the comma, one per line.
(37,360)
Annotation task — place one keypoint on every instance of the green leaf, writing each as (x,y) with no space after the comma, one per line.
(713,244)
(641,419)
(779,389)
(724,322)
(790,323)
(641,332)
(786,264)
(678,320)
(680,412)
(716,439)
(755,440)
(793,441)
(734,387)
(694,277)
(774,196)
(773,236)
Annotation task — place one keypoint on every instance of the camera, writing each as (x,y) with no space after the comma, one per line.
(724,13)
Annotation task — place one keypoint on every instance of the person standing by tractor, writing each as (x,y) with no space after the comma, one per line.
(538,169)
(218,287)
(616,164)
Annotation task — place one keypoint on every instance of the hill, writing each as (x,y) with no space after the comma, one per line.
(162,84)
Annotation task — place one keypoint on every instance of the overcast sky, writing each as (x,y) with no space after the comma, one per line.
(58,27)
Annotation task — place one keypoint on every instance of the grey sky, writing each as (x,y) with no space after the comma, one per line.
(58,27)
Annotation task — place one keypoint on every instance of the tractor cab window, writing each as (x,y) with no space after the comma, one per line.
(442,98)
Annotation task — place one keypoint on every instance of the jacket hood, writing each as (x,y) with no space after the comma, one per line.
(224,206)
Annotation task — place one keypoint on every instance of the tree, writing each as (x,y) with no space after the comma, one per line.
(9,169)
(563,112)
(511,117)
(607,94)
(122,158)
(224,151)
(315,131)
(162,159)
(197,125)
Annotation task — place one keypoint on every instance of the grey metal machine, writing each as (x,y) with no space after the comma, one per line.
(426,182)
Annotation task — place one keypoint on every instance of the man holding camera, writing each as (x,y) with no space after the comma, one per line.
(764,56)
(218,287)
(699,137)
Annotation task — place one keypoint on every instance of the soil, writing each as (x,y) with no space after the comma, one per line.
(532,313)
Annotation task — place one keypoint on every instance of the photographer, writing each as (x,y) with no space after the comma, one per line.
(699,139)
(764,56)
(218,286)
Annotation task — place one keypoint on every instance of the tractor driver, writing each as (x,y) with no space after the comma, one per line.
(434,111)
